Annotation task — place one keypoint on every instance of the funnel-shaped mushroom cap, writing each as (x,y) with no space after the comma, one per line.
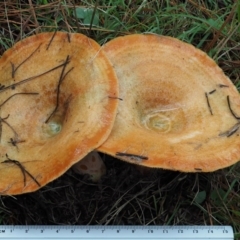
(178,110)
(57,103)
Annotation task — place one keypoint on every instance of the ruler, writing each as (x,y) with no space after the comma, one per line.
(48,232)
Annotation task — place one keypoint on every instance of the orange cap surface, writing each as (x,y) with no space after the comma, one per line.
(178,110)
(57,103)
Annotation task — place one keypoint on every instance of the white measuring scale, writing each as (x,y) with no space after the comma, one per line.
(48,232)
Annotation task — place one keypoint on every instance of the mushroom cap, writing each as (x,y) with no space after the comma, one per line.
(56,103)
(177,109)
(91,165)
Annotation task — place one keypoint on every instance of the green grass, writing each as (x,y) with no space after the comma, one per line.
(125,196)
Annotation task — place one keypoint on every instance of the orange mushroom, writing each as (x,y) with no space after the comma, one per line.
(178,110)
(91,165)
(57,103)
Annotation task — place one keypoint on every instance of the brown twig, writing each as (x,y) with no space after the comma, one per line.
(54,34)
(235,127)
(33,14)
(30,78)
(4,121)
(21,93)
(208,103)
(62,77)
(230,108)
(210,45)
(23,170)
(15,69)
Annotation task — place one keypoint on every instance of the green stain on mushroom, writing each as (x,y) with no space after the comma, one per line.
(164,120)
(52,128)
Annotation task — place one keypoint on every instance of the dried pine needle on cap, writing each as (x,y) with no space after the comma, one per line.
(56,105)
(178,110)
